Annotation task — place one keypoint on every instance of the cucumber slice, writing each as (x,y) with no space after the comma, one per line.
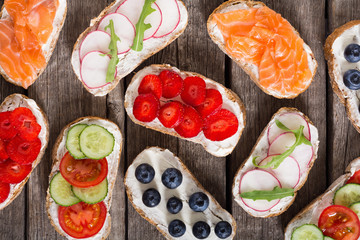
(72,141)
(92,195)
(308,232)
(348,194)
(60,191)
(96,142)
(356,208)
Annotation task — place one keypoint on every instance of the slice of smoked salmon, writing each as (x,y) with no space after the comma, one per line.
(245,48)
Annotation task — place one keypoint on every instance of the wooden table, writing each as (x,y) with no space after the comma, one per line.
(64,99)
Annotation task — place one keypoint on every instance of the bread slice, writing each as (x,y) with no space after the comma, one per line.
(49,46)
(249,68)
(260,150)
(230,101)
(113,159)
(334,54)
(311,213)
(9,104)
(161,159)
(132,59)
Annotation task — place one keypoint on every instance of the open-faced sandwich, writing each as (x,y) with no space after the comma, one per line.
(29,31)
(333,215)
(267,182)
(264,45)
(24,135)
(124,35)
(86,158)
(165,193)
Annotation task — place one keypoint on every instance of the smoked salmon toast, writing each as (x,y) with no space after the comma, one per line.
(265,45)
(29,30)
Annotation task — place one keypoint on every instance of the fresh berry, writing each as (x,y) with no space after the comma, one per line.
(223,229)
(199,202)
(191,124)
(13,172)
(22,151)
(213,102)
(194,91)
(146,107)
(144,173)
(3,154)
(220,125)
(352,79)
(174,205)
(352,53)
(151,84)
(7,128)
(177,228)
(4,191)
(151,197)
(172,84)
(171,114)
(201,230)
(171,178)
(25,122)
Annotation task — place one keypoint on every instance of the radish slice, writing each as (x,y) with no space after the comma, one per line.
(302,153)
(94,68)
(95,41)
(155,20)
(290,120)
(288,173)
(123,28)
(259,180)
(131,9)
(170,17)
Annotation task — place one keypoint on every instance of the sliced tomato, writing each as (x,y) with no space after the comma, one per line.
(355,178)
(83,173)
(13,172)
(4,191)
(340,223)
(82,220)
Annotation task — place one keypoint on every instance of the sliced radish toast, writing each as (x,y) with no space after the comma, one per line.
(164,192)
(86,158)
(186,105)
(23,125)
(267,182)
(128,32)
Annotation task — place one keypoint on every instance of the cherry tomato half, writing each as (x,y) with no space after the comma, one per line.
(355,178)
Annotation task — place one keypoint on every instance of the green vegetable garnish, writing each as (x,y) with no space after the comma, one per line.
(276,193)
(141,27)
(110,75)
(277,160)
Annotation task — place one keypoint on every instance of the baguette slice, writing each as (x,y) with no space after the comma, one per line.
(10,103)
(249,68)
(260,150)
(49,46)
(113,165)
(311,213)
(230,101)
(132,59)
(334,53)
(161,159)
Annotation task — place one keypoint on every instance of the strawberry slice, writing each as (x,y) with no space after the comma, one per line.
(151,84)
(7,128)
(22,151)
(194,91)
(146,107)
(220,125)
(171,114)
(191,124)
(13,172)
(213,102)
(25,122)
(172,83)
(3,154)
(4,191)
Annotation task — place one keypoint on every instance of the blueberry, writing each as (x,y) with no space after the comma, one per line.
(199,202)
(177,228)
(151,197)
(352,53)
(174,205)
(352,79)
(223,229)
(201,230)
(144,173)
(171,178)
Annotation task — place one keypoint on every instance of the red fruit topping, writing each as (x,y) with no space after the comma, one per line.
(151,84)
(3,154)
(25,122)
(171,114)
(146,107)
(172,84)
(13,172)
(7,129)
(4,191)
(22,151)
(191,124)
(213,102)
(220,125)
(194,91)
